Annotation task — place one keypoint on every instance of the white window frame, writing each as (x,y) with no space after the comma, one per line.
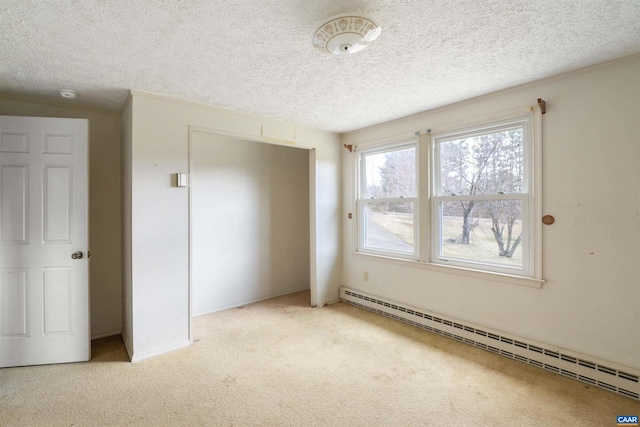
(362,201)
(527,197)
(425,215)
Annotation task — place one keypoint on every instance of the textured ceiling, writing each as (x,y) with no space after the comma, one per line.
(257,56)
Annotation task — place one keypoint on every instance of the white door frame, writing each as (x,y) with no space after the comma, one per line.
(313,280)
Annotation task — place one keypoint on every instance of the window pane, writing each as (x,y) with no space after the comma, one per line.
(482,231)
(492,163)
(390,175)
(389,226)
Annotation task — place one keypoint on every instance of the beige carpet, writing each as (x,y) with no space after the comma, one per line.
(280,362)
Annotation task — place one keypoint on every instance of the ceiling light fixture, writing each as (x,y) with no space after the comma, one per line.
(346,34)
(68,93)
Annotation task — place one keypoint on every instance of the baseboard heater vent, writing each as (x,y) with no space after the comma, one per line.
(597,373)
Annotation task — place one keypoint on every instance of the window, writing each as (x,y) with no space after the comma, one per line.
(477,198)
(482,199)
(388,198)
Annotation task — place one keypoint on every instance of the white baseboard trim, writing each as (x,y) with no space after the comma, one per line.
(128,348)
(138,356)
(249,301)
(106,334)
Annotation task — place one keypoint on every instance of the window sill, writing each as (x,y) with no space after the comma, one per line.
(529,282)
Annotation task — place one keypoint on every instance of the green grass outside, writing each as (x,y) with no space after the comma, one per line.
(482,245)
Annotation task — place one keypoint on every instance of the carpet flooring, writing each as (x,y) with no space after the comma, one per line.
(281,363)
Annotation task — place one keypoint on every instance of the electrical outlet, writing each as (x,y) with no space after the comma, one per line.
(366,276)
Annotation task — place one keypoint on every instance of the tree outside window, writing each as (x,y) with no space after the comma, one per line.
(388,201)
(481,195)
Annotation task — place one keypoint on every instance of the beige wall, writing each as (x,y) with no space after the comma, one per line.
(249,221)
(104,207)
(590,256)
(159,217)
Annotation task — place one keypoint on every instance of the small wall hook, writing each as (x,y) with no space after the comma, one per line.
(548,219)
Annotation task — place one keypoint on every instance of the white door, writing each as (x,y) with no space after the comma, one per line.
(44,291)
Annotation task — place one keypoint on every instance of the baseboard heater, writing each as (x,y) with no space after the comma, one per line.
(586,369)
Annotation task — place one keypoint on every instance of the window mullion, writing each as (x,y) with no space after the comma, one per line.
(482,197)
(424,179)
(392,200)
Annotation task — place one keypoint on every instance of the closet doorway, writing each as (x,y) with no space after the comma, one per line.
(250,221)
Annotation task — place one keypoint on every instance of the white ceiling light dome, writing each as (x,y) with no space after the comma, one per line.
(346,34)
(68,93)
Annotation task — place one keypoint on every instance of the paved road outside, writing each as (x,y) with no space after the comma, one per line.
(379,238)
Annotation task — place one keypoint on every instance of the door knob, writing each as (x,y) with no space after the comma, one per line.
(77,255)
